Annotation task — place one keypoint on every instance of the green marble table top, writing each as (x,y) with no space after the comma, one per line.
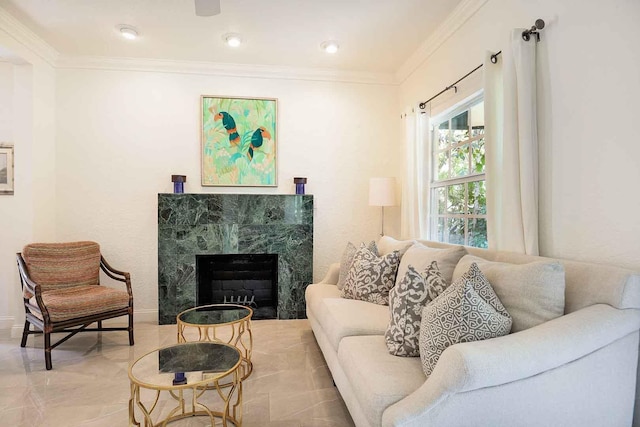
(215,314)
(157,368)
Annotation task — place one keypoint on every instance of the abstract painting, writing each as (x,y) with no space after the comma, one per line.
(238,141)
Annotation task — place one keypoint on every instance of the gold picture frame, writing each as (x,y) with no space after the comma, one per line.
(239,141)
(6,169)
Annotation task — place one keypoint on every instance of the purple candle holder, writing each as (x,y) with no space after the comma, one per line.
(179,378)
(178,183)
(299,182)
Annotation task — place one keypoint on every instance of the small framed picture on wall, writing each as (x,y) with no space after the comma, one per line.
(6,168)
(239,141)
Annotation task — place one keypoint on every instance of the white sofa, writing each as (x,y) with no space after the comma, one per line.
(579,369)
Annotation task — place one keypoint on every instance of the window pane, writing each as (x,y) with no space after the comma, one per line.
(478,232)
(477,156)
(461,121)
(440,201)
(477,198)
(440,230)
(443,165)
(460,161)
(477,130)
(455,227)
(443,135)
(477,119)
(455,203)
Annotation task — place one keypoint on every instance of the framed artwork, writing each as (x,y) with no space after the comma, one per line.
(239,141)
(6,169)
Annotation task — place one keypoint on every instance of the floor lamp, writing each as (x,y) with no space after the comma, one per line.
(382,192)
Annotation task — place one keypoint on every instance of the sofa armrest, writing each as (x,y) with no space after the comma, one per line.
(331,278)
(475,365)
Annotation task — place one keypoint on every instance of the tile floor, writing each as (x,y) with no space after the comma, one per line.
(290,386)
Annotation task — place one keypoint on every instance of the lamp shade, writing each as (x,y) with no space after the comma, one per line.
(382,192)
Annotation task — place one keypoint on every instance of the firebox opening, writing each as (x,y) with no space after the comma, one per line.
(244,279)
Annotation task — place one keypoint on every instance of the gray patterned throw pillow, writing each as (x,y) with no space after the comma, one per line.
(406,301)
(347,260)
(371,277)
(468,310)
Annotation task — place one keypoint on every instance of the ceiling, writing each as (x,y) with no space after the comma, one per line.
(374,35)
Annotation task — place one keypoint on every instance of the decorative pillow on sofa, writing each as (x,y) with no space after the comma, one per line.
(371,277)
(406,301)
(388,244)
(421,257)
(533,293)
(347,260)
(468,310)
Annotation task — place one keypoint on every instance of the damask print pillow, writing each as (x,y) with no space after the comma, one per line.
(468,310)
(406,301)
(347,260)
(371,277)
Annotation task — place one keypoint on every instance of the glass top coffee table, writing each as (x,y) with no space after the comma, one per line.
(201,366)
(227,323)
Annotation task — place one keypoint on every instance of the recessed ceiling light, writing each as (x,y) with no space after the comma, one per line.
(232,39)
(330,46)
(128,32)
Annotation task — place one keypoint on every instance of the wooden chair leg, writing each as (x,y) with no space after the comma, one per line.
(47,350)
(25,334)
(131,329)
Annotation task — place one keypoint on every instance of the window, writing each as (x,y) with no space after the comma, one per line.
(458,192)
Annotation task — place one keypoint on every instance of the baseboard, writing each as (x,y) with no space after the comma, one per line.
(139,316)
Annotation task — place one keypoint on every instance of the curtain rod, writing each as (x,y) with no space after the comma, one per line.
(494,59)
(526,36)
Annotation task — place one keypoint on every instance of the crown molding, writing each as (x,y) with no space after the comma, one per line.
(223,69)
(465,10)
(28,38)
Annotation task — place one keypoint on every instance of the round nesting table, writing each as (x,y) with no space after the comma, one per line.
(209,319)
(201,365)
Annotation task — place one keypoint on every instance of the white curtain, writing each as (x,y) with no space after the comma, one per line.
(512,147)
(415,181)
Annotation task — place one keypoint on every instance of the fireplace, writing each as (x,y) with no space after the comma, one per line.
(190,225)
(244,279)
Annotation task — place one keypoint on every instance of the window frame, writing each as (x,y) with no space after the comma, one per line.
(435,184)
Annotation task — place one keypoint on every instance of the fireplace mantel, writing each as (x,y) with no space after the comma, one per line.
(200,224)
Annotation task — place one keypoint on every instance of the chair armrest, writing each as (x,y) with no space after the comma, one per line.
(31,287)
(331,278)
(475,365)
(120,276)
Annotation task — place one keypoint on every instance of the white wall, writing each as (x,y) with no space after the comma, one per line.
(27,110)
(589,154)
(121,134)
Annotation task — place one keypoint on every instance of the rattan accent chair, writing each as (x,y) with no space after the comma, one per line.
(62,291)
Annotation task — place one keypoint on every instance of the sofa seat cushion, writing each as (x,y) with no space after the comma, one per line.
(378,379)
(341,318)
(80,301)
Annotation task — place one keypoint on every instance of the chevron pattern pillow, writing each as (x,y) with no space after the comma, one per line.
(469,310)
(406,301)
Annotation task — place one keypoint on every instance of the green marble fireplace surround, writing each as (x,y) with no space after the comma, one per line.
(203,224)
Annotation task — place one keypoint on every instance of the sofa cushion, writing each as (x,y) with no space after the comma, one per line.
(341,318)
(377,378)
(421,257)
(315,293)
(371,277)
(406,301)
(388,244)
(347,260)
(469,310)
(533,293)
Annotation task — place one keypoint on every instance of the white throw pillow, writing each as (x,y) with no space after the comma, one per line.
(388,244)
(468,310)
(533,293)
(421,257)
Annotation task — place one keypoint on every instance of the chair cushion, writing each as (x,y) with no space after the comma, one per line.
(62,265)
(80,301)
